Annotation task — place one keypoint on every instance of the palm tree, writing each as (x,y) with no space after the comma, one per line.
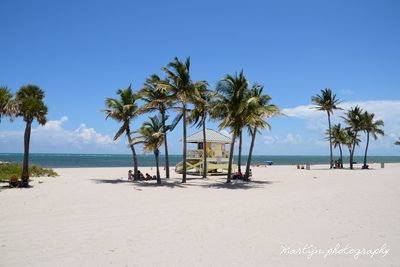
(354,120)
(350,139)
(157,99)
(152,136)
(371,126)
(258,108)
(397,142)
(327,102)
(5,99)
(198,117)
(183,90)
(30,106)
(338,135)
(124,110)
(229,107)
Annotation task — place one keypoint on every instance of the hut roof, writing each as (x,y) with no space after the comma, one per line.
(212,136)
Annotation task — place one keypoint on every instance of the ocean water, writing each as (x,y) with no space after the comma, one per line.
(124,160)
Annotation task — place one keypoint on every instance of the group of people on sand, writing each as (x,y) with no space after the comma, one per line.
(300,166)
(337,164)
(141,176)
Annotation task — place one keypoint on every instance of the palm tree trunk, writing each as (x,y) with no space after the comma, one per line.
(156,153)
(352,151)
(231,150)
(253,138)
(205,168)
(240,152)
(184,144)
(330,140)
(165,145)
(134,157)
(350,156)
(25,165)
(366,150)
(351,159)
(341,156)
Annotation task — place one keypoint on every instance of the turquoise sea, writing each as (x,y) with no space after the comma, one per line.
(125,160)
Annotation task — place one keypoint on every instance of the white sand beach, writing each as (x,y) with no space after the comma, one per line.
(95,217)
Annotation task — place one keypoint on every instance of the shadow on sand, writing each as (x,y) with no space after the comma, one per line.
(168,184)
(191,182)
(238,185)
(108,181)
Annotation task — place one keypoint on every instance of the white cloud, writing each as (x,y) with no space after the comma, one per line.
(55,125)
(387,110)
(290,138)
(89,135)
(303,111)
(381,108)
(52,137)
(269,140)
(347,92)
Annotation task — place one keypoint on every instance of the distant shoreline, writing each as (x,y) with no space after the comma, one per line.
(60,160)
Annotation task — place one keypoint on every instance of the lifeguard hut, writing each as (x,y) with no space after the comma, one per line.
(217,154)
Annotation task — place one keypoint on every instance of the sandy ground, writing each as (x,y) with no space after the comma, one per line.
(95,217)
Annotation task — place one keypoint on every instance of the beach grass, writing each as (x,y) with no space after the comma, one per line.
(15,169)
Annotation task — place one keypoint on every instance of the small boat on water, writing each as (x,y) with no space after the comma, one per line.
(269,162)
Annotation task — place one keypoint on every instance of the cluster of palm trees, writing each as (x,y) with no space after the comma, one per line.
(234,103)
(356,121)
(28,103)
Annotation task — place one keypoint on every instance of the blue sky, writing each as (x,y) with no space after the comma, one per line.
(81,52)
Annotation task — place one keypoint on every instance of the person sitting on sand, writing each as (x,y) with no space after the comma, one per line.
(130,176)
(141,176)
(148,177)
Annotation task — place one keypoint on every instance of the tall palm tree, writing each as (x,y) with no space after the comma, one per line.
(327,102)
(198,117)
(183,90)
(354,120)
(152,136)
(258,108)
(159,99)
(5,99)
(229,107)
(371,127)
(124,110)
(338,135)
(30,106)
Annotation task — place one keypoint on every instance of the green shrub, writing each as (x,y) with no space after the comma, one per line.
(15,169)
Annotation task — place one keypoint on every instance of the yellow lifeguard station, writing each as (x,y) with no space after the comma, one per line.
(217,154)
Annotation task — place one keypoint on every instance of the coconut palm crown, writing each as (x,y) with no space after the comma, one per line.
(5,100)
(397,143)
